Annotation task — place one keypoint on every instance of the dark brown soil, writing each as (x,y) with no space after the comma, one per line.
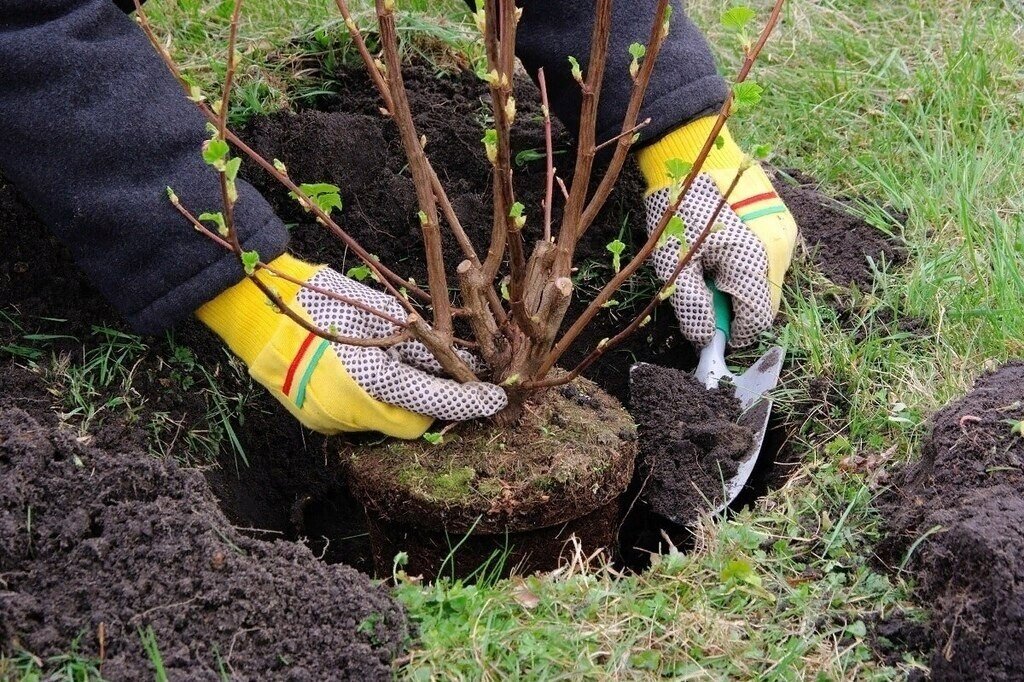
(95,539)
(436,554)
(966,494)
(690,441)
(842,245)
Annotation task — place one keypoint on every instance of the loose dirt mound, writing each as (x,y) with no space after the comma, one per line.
(967,495)
(689,441)
(843,245)
(91,537)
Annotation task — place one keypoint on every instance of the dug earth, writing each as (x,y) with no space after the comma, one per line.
(956,521)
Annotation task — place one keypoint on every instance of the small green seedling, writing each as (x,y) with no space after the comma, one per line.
(616,247)
(434,438)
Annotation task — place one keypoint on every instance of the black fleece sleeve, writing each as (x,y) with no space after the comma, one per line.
(685,84)
(93,128)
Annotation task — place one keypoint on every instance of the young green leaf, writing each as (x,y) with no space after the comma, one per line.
(359,272)
(761,151)
(326,196)
(574,66)
(195,93)
(490,140)
(434,438)
(217,219)
(719,142)
(637,50)
(231,168)
(678,169)
(746,95)
(616,248)
(527,155)
(737,18)
(214,152)
(676,228)
(249,261)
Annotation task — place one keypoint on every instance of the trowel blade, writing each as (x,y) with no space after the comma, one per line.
(753,389)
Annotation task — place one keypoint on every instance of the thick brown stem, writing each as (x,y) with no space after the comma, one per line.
(474,285)
(587,142)
(499,37)
(629,124)
(382,87)
(402,115)
(441,348)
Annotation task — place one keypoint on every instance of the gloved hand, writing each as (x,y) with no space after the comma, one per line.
(332,387)
(746,258)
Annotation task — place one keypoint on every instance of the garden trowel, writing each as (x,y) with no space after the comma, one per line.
(753,389)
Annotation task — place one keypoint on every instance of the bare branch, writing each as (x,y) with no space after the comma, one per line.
(402,115)
(549,186)
(625,133)
(284,309)
(387,277)
(586,144)
(382,87)
(625,140)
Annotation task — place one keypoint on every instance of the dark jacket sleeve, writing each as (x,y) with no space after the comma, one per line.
(685,84)
(93,128)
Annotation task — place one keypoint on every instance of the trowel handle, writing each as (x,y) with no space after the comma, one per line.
(723,309)
(711,367)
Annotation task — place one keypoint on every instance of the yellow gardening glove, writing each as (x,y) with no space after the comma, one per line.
(331,387)
(748,259)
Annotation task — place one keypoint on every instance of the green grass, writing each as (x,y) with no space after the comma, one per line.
(913,104)
(280,41)
(70,667)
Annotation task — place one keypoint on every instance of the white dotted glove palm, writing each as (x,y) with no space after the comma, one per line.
(333,387)
(732,256)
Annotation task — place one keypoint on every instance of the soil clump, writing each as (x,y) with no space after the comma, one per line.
(573,453)
(960,510)
(119,540)
(690,441)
